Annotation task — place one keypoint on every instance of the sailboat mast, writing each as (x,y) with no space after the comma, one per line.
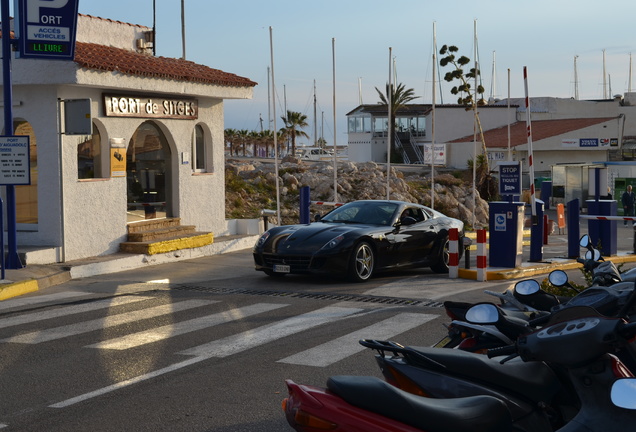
(315,119)
(604,78)
(576,80)
(629,87)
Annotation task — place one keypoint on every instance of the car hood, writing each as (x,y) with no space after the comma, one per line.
(307,238)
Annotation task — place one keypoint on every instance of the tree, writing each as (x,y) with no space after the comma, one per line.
(399,97)
(243,137)
(294,122)
(230,136)
(465,97)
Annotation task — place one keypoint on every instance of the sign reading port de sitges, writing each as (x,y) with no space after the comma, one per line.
(150,107)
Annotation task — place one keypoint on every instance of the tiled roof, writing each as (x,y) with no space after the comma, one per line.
(541,129)
(104,58)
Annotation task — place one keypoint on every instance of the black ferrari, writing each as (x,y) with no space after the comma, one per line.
(359,239)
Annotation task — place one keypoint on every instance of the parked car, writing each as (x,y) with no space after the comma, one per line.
(314,153)
(359,239)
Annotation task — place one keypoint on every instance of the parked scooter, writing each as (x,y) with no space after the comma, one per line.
(579,340)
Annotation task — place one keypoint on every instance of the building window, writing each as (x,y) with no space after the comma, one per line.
(198,149)
(27,195)
(89,156)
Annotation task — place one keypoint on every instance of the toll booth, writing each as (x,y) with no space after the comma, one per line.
(506,234)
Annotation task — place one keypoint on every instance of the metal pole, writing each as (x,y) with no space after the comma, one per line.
(388,124)
(271,49)
(13,260)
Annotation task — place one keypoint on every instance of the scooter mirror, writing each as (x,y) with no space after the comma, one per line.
(596,255)
(624,393)
(558,278)
(527,287)
(483,313)
(585,241)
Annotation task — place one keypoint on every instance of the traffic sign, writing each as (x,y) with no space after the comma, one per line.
(15,166)
(46,28)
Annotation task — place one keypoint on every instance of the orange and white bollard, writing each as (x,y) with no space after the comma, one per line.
(481,255)
(453,253)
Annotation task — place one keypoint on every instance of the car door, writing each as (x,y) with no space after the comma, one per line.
(414,236)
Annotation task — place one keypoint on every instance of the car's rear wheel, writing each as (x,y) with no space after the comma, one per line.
(441,266)
(362,262)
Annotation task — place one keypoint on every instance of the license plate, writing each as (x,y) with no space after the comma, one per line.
(280,268)
(442,343)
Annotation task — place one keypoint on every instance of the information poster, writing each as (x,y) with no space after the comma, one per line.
(14,160)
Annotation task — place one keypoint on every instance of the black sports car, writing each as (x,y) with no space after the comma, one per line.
(358,239)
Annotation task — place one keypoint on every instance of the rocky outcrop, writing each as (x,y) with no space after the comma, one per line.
(356,181)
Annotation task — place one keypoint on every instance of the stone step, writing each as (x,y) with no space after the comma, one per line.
(153,224)
(187,241)
(161,233)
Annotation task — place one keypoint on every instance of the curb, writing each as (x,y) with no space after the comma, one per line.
(18,288)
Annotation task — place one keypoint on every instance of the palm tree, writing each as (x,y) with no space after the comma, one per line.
(399,96)
(294,121)
(243,136)
(266,139)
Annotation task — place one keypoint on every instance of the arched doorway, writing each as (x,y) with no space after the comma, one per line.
(27,195)
(148,174)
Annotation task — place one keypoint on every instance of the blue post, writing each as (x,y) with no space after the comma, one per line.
(304,205)
(574,232)
(536,235)
(13,260)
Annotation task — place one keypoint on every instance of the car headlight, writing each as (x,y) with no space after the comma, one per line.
(261,240)
(333,242)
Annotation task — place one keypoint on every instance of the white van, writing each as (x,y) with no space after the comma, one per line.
(314,153)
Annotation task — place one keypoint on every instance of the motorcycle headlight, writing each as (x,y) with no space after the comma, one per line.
(333,242)
(261,240)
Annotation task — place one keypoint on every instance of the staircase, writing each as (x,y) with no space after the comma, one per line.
(154,236)
(409,147)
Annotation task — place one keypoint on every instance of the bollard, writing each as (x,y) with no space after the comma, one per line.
(481,255)
(453,253)
(467,242)
(546,232)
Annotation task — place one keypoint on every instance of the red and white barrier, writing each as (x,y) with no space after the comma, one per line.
(610,218)
(453,253)
(481,255)
(335,204)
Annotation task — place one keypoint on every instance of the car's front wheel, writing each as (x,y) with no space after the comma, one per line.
(441,266)
(362,262)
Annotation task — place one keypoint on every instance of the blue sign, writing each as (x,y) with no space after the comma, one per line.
(509,178)
(500,222)
(46,28)
(588,142)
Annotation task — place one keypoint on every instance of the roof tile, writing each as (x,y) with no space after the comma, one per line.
(104,58)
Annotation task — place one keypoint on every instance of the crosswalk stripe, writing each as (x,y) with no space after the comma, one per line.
(243,341)
(109,321)
(176,329)
(69,310)
(28,301)
(345,346)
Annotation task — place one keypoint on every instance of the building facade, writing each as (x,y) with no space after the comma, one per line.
(156,148)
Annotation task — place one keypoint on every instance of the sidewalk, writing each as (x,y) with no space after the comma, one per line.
(32,278)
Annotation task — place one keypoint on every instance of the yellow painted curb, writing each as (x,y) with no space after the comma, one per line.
(18,288)
(182,243)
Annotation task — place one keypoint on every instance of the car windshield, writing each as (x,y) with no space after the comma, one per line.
(368,212)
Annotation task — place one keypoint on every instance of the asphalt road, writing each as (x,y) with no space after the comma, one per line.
(201,345)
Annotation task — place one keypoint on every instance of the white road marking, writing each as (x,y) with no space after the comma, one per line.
(28,301)
(69,310)
(259,336)
(109,321)
(345,346)
(176,329)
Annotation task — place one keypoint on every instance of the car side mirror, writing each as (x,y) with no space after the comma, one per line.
(317,217)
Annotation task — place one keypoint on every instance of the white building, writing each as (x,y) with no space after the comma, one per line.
(162,116)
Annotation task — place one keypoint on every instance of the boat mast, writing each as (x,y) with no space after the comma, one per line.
(604,78)
(315,119)
(576,80)
(629,87)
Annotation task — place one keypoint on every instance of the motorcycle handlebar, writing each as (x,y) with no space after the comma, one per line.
(502,351)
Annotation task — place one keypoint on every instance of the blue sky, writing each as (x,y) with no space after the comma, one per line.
(543,35)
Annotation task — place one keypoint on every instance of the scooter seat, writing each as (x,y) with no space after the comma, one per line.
(534,380)
(474,413)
